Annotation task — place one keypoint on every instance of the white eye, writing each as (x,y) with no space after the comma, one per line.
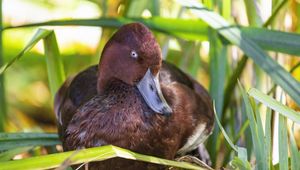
(134,54)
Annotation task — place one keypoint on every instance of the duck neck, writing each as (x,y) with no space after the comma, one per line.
(103,83)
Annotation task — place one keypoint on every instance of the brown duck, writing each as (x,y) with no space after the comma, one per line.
(133,100)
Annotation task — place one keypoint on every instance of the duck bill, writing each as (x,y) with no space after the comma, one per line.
(150,89)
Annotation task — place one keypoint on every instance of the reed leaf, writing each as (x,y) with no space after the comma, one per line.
(14,140)
(275,105)
(85,156)
(3,107)
(40,34)
(233,34)
(258,143)
(190,29)
(56,74)
(295,155)
(283,143)
(181,28)
(9,154)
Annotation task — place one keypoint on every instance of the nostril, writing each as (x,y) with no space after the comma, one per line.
(151,87)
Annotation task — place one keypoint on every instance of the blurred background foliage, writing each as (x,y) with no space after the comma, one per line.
(202,50)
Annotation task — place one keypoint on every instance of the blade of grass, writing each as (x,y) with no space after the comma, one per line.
(278,74)
(273,40)
(190,29)
(135,8)
(40,34)
(260,134)
(242,63)
(232,83)
(155,8)
(13,140)
(217,57)
(241,131)
(268,137)
(181,28)
(8,155)
(2,88)
(55,69)
(238,163)
(87,155)
(253,13)
(295,155)
(275,105)
(56,74)
(226,9)
(275,12)
(257,142)
(224,132)
(195,62)
(242,152)
(283,143)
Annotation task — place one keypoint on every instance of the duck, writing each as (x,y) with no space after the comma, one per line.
(134,100)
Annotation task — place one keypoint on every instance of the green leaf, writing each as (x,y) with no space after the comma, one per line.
(242,154)
(233,34)
(257,142)
(8,155)
(276,10)
(182,28)
(56,74)
(295,155)
(224,132)
(238,164)
(268,138)
(272,40)
(87,155)
(40,34)
(260,134)
(3,102)
(191,29)
(135,8)
(54,64)
(232,81)
(283,144)
(217,66)
(253,13)
(13,140)
(275,105)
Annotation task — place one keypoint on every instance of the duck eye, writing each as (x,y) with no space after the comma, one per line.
(133,54)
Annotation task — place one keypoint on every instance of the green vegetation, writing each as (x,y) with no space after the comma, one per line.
(255,127)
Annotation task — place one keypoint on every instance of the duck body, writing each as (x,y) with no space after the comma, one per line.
(123,116)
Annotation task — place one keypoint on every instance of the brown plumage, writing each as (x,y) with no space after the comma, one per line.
(115,104)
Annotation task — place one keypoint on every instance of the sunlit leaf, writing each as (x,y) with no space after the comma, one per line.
(191,29)
(9,154)
(186,29)
(40,34)
(237,163)
(56,74)
(87,155)
(275,105)
(233,34)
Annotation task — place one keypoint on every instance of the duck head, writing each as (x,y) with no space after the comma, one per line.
(133,56)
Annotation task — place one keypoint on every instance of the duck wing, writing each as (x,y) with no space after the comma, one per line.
(170,73)
(192,97)
(72,94)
